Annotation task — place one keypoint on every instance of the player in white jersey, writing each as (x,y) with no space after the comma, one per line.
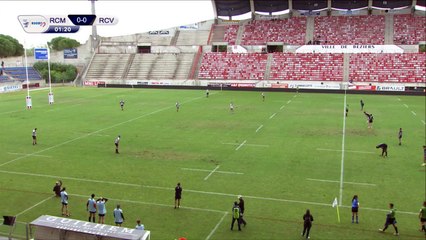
(100,203)
(177,106)
(34,134)
(91,208)
(118,216)
(231,107)
(64,201)
(117,142)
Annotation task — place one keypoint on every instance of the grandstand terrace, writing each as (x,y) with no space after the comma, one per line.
(409,29)
(307,67)
(19,74)
(338,30)
(240,66)
(388,68)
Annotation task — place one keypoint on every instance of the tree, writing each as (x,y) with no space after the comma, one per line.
(60,43)
(9,46)
(58,72)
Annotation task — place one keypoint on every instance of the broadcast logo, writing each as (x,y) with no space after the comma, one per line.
(33,23)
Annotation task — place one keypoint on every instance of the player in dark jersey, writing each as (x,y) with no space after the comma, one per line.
(207,93)
(263,96)
(384,148)
(369,119)
(178,195)
(242,208)
(347,110)
(400,136)
(122,104)
(422,217)
(362,105)
(390,220)
(57,188)
(355,206)
(424,156)
(307,223)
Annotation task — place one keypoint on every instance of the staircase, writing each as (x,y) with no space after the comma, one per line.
(129,64)
(268,66)
(240,34)
(175,38)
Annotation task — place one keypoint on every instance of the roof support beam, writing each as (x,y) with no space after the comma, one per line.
(214,9)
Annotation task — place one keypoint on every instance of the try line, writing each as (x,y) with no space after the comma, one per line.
(332,181)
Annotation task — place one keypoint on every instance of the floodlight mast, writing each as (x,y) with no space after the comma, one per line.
(94,39)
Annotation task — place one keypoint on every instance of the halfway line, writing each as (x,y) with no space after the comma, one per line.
(241,145)
(257,130)
(289,101)
(273,115)
(413,113)
(281,108)
(406,105)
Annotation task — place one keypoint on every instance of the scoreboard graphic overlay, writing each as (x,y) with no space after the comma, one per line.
(62,24)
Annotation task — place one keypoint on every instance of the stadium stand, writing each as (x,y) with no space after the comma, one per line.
(240,66)
(190,37)
(160,66)
(336,30)
(409,29)
(19,73)
(231,34)
(373,67)
(108,66)
(289,31)
(307,66)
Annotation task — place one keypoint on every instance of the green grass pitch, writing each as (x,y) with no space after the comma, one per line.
(291,141)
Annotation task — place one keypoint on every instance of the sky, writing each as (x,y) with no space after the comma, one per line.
(133,17)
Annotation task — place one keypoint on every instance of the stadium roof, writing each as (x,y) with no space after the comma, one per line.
(229,8)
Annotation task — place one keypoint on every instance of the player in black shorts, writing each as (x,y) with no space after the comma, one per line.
(178,195)
(369,119)
(362,104)
(400,136)
(384,148)
(347,110)
(122,104)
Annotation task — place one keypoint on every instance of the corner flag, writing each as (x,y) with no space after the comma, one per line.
(334,204)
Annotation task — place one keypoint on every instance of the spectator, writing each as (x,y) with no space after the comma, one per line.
(118,216)
(100,203)
(139,226)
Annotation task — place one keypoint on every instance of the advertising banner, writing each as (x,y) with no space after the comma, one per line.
(391,88)
(349,49)
(70,53)
(93,83)
(10,88)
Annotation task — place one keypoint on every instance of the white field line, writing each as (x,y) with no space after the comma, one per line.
(281,108)
(332,181)
(260,127)
(97,131)
(39,89)
(101,135)
(342,163)
(405,105)
(217,225)
(214,170)
(13,111)
(205,170)
(413,113)
(295,96)
(273,115)
(186,190)
(337,150)
(35,205)
(289,101)
(247,144)
(399,99)
(424,122)
(34,155)
(154,204)
(241,145)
